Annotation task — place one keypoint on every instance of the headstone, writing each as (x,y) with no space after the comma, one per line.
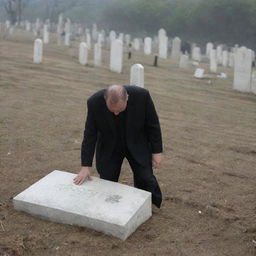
(109,207)
(67,39)
(176,47)
(162,44)
(137,75)
(219,54)
(127,39)
(184,61)
(136,44)
(231,59)
(94,32)
(225,58)
(83,53)
(97,55)
(209,47)
(46,34)
(38,51)
(88,41)
(196,54)
(199,73)
(147,45)
(213,61)
(243,70)
(116,56)
(253,83)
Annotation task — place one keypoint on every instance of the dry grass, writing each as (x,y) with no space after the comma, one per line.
(208,174)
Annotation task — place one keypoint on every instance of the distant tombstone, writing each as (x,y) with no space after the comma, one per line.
(163,46)
(196,54)
(209,47)
(60,30)
(184,61)
(219,54)
(88,41)
(100,39)
(83,53)
(116,56)
(253,83)
(137,75)
(28,26)
(46,34)
(109,207)
(213,61)
(243,70)
(136,44)
(199,73)
(94,32)
(112,35)
(67,39)
(147,45)
(121,37)
(97,55)
(225,58)
(231,59)
(176,47)
(127,39)
(38,51)
(37,27)
(68,27)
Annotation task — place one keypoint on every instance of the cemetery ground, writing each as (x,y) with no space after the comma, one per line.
(207,176)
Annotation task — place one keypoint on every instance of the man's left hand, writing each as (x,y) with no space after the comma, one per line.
(156,160)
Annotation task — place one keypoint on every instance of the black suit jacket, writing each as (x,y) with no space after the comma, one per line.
(143,133)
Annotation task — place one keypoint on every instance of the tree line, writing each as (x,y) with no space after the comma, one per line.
(219,21)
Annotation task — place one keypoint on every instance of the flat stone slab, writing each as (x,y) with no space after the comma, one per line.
(110,207)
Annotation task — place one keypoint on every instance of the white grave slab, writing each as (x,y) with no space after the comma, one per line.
(199,73)
(137,75)
(38,51)
(102,205)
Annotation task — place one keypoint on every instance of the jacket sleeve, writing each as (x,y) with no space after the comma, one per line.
(152,126)
(90,137)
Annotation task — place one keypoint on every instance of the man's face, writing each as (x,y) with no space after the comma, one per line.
(117,108)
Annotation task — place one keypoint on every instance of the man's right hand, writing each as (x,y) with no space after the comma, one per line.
(82,176)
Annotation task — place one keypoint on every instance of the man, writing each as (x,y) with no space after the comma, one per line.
(122,122)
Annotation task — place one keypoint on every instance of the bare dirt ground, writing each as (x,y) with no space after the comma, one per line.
(208,175)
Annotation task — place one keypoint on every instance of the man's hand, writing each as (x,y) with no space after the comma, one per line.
(156,160)
(82,176)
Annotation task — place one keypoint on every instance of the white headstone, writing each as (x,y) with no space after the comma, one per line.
(88,41)
(136,44)
(219,54)
(162,43)
(97,55)
(209,47)
(176,46)
(67,39)
(83,53)
(38,51)
(184,61)
(147,45)
(116,56)
(243,70)
(199,73)
(137,75)
(231,59)
(225,58)
(94,32)
(213,61)
(196,54)
(253,83)
(109,207)
(46,34)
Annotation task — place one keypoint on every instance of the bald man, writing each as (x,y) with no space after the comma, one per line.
(122,123)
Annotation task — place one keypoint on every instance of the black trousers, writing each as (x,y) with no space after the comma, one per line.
(143,175)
